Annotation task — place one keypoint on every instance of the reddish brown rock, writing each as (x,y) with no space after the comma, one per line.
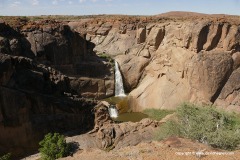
(229,98)
(156,36)
(116,136)
(158,67)
(141,35)
(132,69)
(33,102)
(208,73)
(236,60)
(171,60)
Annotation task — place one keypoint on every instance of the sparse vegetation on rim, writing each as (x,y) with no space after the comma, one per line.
(205,124)
(107,57)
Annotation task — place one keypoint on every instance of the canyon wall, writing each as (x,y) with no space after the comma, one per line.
(35,96)
(54,44)
(167,61)
(36,100)
(48,68)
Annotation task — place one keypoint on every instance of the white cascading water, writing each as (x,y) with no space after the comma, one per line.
(113,112)
(119,90)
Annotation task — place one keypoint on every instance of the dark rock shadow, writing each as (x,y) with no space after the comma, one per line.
(74,147)
(32,105)
(13,42)
(32,99)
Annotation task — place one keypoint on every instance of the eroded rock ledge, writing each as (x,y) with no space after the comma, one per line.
(108,135)
(48,66)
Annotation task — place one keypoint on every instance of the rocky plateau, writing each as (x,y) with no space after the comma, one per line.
(52,72)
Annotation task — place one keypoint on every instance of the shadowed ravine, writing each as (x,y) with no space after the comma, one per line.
(53,72)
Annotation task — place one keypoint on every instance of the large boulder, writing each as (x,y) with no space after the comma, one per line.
(229,97)
(207,75)
(164,83)
(156,36)
(126,134)
(132,68)
(116,136)
(141,35)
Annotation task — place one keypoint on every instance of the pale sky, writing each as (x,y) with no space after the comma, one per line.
(127,7)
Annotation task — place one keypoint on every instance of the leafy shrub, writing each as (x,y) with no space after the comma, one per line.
(6,157)
(107,57)
(209,125)
(205,124)
(168,129)
(157,114)
(54,146)
(103,55)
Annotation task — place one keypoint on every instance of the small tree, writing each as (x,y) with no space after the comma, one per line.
(53,146)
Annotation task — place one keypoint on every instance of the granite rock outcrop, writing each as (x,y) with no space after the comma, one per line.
(169,60)
(48,67)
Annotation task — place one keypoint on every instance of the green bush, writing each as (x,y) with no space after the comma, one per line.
(157,114)
(168,129)
(107,57)
(6,157)
(205,124)
(54,146)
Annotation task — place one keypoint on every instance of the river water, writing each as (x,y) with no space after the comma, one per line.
(120,110)
(124,110)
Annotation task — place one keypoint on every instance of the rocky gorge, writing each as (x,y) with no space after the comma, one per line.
(165,62)
(52,72)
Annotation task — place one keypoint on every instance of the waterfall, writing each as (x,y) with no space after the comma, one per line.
(119,90)
(113,112)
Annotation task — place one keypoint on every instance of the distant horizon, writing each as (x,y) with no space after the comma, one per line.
(115,7)
(117,14)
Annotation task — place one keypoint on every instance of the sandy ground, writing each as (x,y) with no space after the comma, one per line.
(171,149)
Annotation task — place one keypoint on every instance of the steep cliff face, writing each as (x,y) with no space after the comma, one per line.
(35,100)
(167,61)
(46,70)
(47,66)
(164,61)
(54,44)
